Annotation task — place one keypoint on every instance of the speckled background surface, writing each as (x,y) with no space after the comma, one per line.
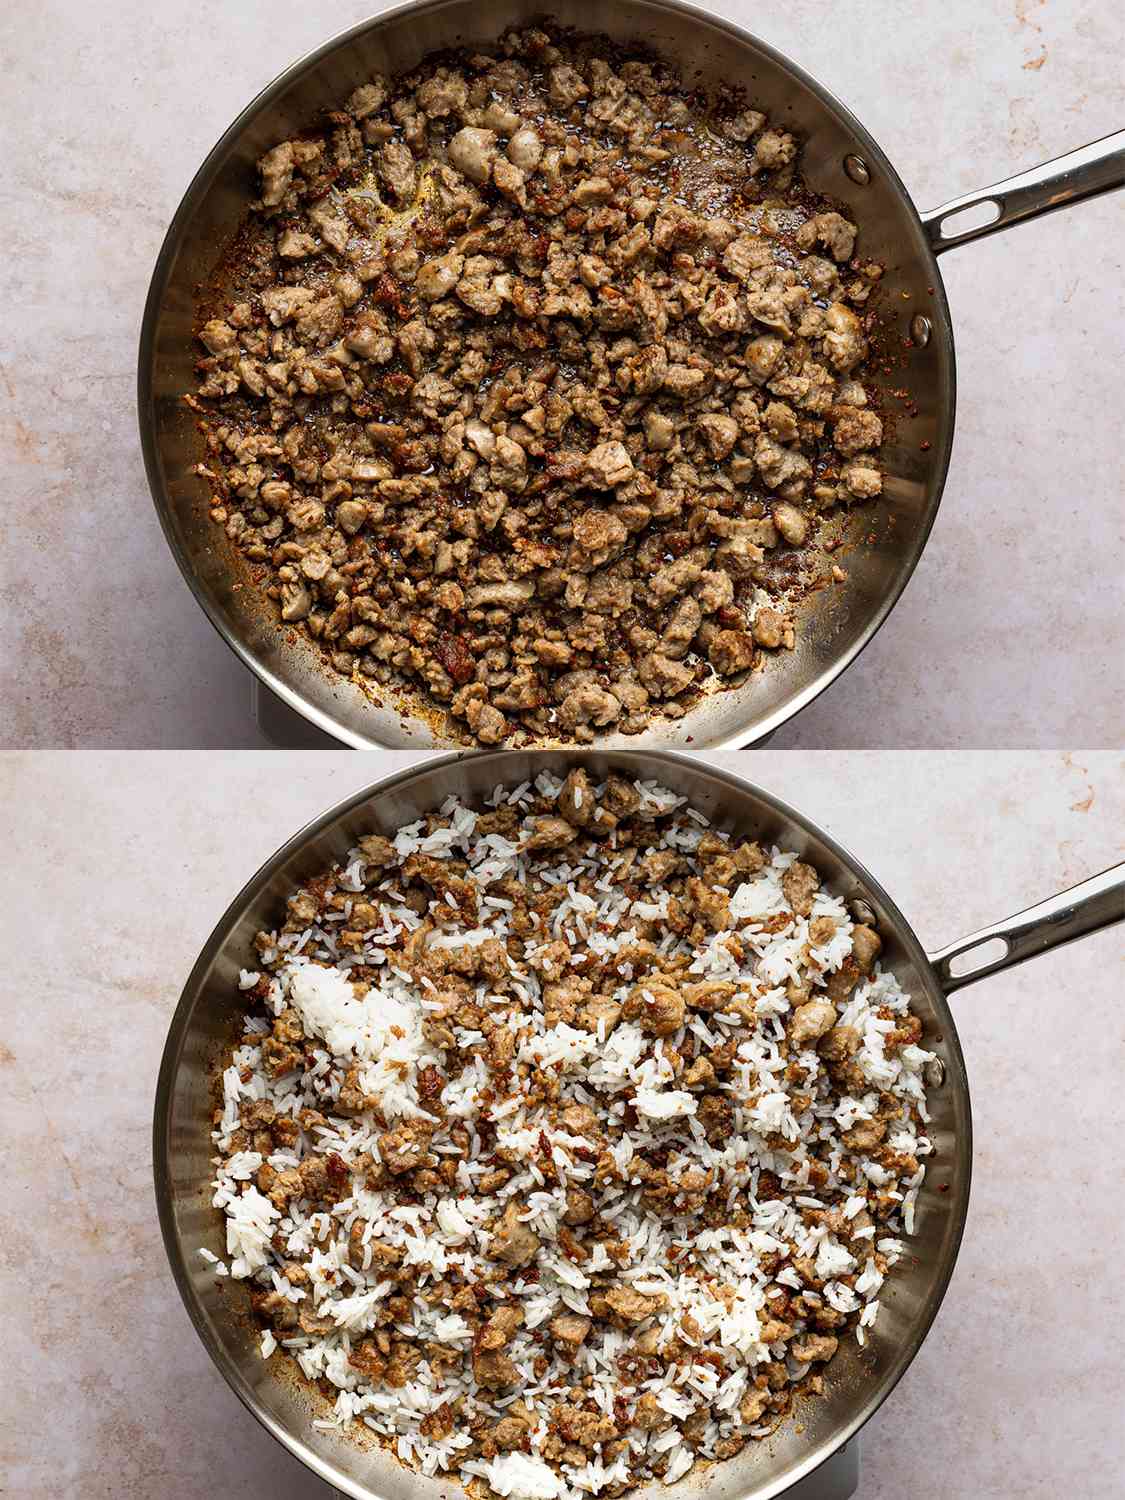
(126,861)
(1004,637)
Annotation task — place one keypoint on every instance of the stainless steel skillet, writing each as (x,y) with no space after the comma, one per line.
(858,1381)
(840,159)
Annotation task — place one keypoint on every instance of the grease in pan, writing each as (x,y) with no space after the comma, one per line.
(532,383)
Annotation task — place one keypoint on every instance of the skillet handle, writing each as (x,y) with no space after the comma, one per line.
(1085,173)
(1094,904)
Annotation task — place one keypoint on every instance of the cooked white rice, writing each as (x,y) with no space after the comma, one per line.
(717,1281)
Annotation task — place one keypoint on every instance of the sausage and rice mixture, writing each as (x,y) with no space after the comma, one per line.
(530,378)
(566,1137)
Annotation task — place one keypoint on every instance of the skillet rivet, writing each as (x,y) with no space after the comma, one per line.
(920,329)
(935,1073)
(856,168)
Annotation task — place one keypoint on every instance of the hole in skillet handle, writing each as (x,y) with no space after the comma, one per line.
(981,956)
(972,217)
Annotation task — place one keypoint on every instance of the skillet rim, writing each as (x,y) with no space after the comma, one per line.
(759,729)
(651,759)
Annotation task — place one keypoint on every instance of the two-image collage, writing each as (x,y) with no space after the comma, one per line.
(563,755)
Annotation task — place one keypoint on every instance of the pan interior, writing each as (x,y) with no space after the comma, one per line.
(881,540)
(856,1381)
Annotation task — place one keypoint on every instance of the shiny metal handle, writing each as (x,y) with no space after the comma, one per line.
(1095,903)
(1085,173)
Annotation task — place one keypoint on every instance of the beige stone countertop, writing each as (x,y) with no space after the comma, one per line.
(1005,634)
(124,862)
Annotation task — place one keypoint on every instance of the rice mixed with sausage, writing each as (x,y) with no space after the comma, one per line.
(566,1137)
(528,382)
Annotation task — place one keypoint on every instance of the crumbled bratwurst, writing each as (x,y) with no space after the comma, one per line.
(563,1162)
(534,369)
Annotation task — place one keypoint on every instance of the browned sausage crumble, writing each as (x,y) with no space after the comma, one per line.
(536,374)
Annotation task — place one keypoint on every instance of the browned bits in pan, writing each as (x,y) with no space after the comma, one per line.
(534,376)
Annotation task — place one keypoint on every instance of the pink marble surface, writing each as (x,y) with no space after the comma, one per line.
(124,862)
(1005,635)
